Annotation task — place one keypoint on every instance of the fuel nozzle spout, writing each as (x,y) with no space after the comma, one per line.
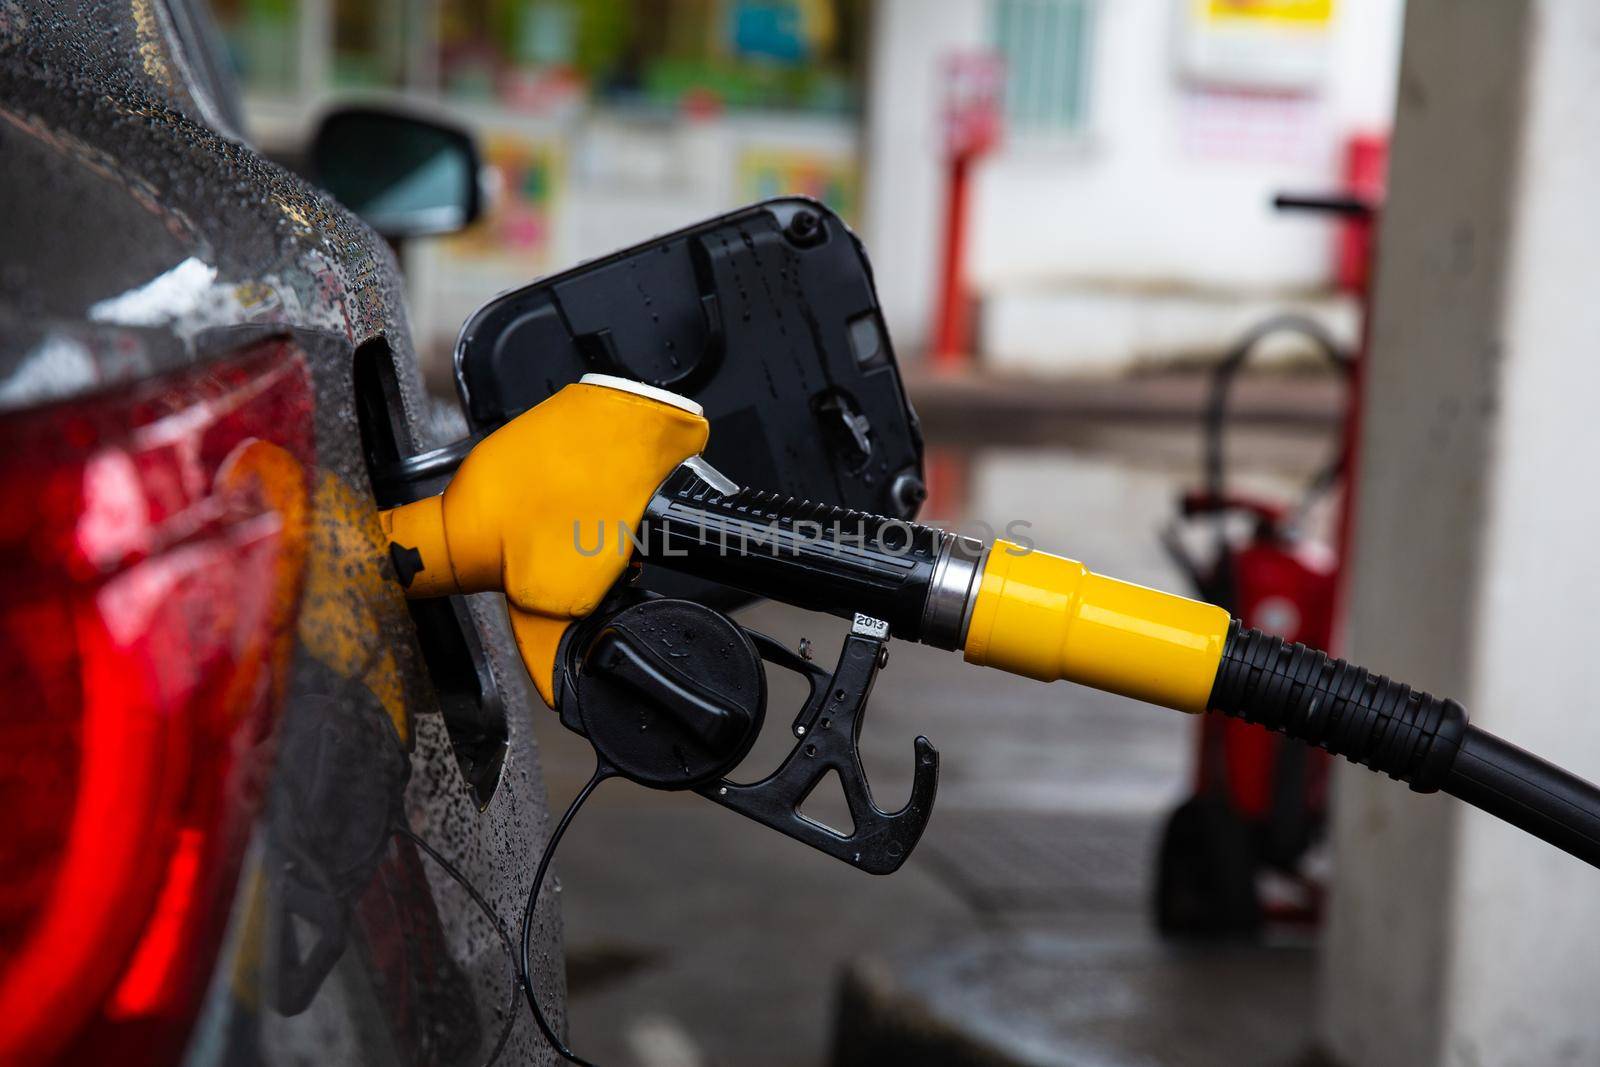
(1005,606)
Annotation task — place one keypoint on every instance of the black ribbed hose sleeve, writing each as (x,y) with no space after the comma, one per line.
(1409,735)
(1367,718)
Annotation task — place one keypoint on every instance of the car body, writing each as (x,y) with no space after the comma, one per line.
(227,750)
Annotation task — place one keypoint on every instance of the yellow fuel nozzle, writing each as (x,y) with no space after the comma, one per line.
(515,512)
(597,457)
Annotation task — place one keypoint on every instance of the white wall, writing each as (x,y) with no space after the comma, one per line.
(1454,939)
(1142,202)
(1146,202)
(1526,931)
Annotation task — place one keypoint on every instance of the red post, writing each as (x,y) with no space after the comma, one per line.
(1366,169)
(952,339)
(973,84)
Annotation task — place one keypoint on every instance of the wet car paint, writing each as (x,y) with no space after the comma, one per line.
(141,240)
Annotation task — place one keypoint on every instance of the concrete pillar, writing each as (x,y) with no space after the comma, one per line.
(1454,939)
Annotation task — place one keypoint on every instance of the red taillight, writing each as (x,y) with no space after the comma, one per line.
(151,549)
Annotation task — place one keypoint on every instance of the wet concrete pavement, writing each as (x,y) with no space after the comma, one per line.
(1018,927)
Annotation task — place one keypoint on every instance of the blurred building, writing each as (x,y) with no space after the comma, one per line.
(1127,212)
(1124,216)
(603,121)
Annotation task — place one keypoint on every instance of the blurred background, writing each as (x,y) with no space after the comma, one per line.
(1129,194)
(1073,209)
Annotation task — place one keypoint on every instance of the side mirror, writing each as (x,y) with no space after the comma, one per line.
(405,176)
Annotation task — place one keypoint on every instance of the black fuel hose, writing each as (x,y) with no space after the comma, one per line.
(1407,734)
(1527,792)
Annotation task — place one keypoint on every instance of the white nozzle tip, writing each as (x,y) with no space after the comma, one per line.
(628,385)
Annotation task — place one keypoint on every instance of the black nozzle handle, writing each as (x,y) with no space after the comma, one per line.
(815,556)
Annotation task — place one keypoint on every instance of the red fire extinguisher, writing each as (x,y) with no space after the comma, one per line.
(1259,801)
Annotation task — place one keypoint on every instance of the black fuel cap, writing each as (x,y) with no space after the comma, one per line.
(672,694)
